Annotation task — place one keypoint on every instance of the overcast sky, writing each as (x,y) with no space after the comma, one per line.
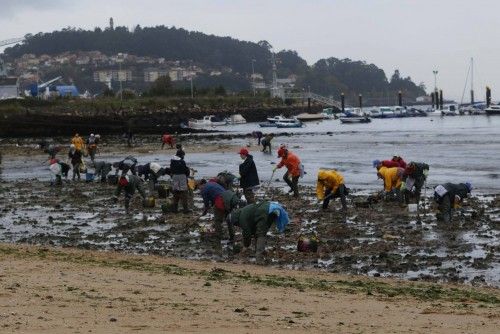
(414,36)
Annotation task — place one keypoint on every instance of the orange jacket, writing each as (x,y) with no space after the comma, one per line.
(391,177)
(292,163)
(328,179)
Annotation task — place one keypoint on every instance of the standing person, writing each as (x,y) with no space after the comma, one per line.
(75,156)
(223,201)
(414,176)
(448,196)
(293,166)
(179,173)
(255,220)
(102,169)
(168,140)
(92,146)
(330,185)
(77,141)
(258,135)
(392,181)
(249,179)
(266,143)
(129,184)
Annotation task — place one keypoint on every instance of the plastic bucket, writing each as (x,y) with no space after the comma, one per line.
(89,177)
(412,207)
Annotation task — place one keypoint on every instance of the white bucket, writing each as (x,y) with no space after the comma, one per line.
(412,207)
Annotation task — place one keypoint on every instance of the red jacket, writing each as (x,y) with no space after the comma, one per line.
(390,163)
(167,139)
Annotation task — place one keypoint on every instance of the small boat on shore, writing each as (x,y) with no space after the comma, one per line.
(307,117)
(206,122)
(280,118)
(267,125)
(493,110)
(450,110)
(354,119)
(235,119)
(295,124)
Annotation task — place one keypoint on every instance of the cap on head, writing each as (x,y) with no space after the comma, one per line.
(243,151)
(469,186)
(376,163)
(72,146)
(282,151)
(91,135)
(178,146)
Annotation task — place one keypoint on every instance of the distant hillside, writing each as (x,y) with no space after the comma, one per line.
(327,76)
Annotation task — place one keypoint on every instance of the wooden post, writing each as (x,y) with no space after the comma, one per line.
(488,96)
(432,99)
(342,101)
(360,101)
(400,99)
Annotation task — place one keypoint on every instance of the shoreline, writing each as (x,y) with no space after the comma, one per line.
(63,289)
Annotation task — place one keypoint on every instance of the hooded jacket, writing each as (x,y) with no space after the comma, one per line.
(210,192)
(391,177)
(134,183)
(248,173)
(291,162)
(328,179)
(78,142)
(254,220)
(178,166)
(455,189)
(416,170)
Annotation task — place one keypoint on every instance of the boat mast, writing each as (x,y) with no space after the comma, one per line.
(472,81)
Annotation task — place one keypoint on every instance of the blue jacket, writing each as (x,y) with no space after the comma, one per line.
(210,191)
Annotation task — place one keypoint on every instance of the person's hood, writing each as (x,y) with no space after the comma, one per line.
(154,167)
(322,174)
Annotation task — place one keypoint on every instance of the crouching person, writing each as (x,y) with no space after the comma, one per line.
(223,201)
(448,196)
(331,185)
(102,169)
(255,220)
(414,178)
(129,184)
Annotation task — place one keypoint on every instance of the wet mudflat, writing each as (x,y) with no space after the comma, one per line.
(380,239)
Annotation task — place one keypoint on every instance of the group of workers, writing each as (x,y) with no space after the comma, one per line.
(401,182)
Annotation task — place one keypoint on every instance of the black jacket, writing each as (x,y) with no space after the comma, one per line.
(248,173)
(459,189)
(178,166)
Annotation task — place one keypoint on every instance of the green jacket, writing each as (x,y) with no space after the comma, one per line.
(253,220)
(230,200)
(134,183)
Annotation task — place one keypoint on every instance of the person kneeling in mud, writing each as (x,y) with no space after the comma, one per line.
(331,185)
(129,184)
(448,196)
(255,220)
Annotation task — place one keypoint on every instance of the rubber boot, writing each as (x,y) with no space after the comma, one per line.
(260,247)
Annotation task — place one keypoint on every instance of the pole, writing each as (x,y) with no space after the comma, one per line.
(472,81)
(361,102)
(488,96)
(120,79)
(253,77)
(432,99)
(441,99)
(342,101)
(400,99)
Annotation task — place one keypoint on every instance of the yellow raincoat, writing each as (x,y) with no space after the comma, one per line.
(78,142)
(392,180)
(328,179)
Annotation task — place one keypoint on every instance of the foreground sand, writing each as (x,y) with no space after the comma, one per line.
(55,290)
